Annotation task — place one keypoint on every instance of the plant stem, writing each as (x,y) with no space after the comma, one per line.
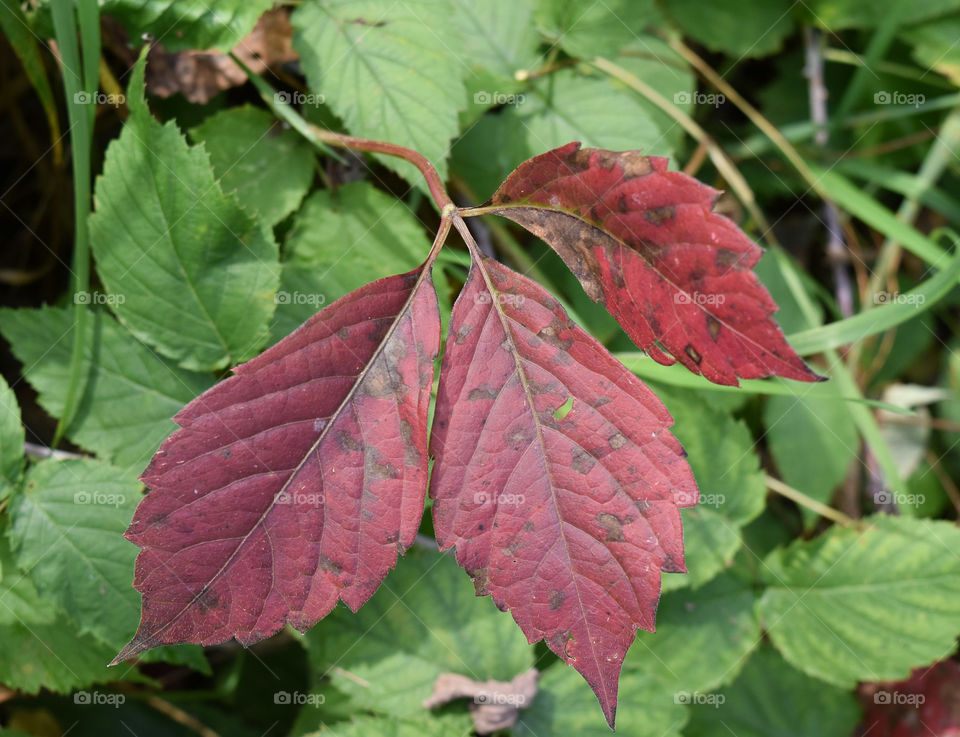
(777,486)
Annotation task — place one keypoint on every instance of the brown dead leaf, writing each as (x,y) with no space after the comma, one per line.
(201,75)
(495,704)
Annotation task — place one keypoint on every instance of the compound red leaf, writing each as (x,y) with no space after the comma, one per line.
(295,483)
(565,514)
(646,243)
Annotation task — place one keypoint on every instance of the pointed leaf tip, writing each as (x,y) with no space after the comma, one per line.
(567,522)
(295,483)
(646,243)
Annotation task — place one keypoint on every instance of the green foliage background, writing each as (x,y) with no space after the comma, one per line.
(217,229)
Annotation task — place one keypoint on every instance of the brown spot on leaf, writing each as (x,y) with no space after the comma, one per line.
(462,332)
(376,466)
(658,215)
(692,352)
(528,526)
(713,327)
(330,566)
(344,333)
(347,441)
(484,391)
(556,600)
(581,461)
(613,526)
(518,438)
(617,441)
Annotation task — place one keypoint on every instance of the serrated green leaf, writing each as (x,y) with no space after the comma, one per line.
(732,490)
(771,698)
(268,167)
(742,29)
(426,619)
(703,637)
(801,429)
(587,29)
(390,70)
(188,270)
(131,392)
(11,440)
(854,606)
(498,36)
(339,242)
(565,705)
(567,106)
(188,24)
(67,531)
(38,646)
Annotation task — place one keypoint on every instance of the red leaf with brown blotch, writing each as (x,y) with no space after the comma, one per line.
(646,243)
(565,514)
(294,484)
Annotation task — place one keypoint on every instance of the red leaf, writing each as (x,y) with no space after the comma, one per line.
(565,519)
(645,243)
(293,484)
(927,703)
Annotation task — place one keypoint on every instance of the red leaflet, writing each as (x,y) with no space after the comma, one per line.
(645,243)
(293,484)
(564,514)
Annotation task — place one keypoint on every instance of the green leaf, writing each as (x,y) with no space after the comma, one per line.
(67,531)
(935,45)
(771,698)
(188,24)
(131,392)
(389,70)
(567,106)
(741,28)
(426,725)
(488,151)
(732,490)
(854,606)
(17,30)
(703,637)
(497,37)
(270,168)
(339,242)
(188,270)
(11,440)
(813,442)
(425,620)
(587,29)
(39,649)
(565,705)
(836,15)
